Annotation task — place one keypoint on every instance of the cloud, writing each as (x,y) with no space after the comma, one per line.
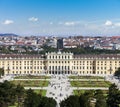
(117,24)
(108,23)
(33,19)
(7,22)
(69,23)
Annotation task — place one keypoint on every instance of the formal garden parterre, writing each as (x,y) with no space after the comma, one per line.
(86,77)
(32,77)
(30,83)
(90,83)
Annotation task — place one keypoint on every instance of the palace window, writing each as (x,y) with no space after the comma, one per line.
(65,67)
(68,57)
(65,57)
(68,68)
(58,67)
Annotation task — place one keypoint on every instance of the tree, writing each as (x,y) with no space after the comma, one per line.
(85,99)
(100,99)
(20,94)
(7,94)
(117,73)
(113,96)
(47,102)
(71,101)
(32,99)
(1,72)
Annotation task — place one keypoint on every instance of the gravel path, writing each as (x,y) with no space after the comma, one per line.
(59,88)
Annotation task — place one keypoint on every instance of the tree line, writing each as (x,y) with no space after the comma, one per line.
(94,99)
(78,50)
(11,94)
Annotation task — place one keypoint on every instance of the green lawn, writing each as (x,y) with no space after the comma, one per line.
(41,92)
(30,83)
(79,92)
(32,77)
(90,83)
(85,77)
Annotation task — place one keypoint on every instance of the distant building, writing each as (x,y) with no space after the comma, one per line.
(53,43)
(116,46)
(60,43)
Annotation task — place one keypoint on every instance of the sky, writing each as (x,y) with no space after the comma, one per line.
(60,17)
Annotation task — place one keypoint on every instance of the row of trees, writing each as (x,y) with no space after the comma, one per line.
(94,99)
(11,94)
(78,50)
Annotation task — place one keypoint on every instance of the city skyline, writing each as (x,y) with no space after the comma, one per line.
(60,17)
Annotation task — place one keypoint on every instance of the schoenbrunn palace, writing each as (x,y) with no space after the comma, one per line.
(59,63)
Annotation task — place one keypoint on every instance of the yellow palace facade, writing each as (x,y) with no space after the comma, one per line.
(59,63)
